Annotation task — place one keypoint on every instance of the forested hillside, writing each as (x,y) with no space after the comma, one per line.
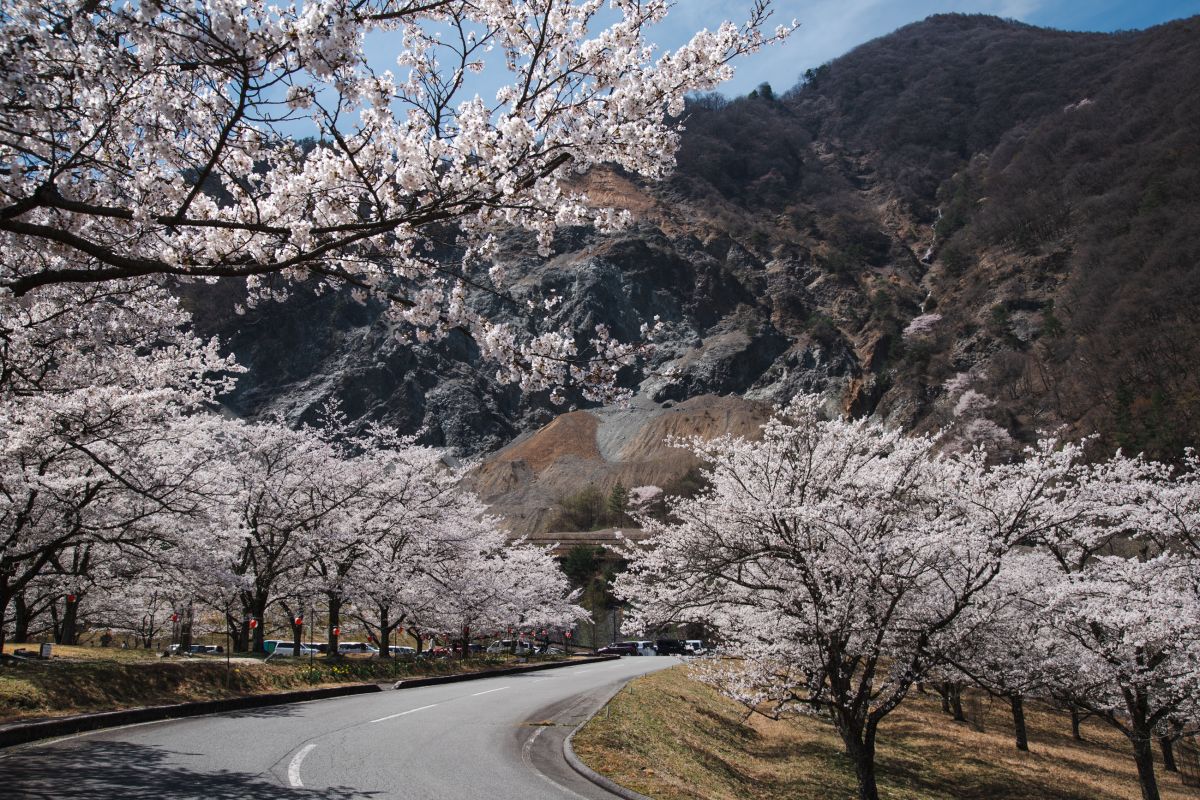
(970,223)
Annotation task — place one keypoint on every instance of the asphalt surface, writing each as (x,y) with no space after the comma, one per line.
(477,739)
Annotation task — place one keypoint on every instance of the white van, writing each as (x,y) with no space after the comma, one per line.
(278,648)
(694,646)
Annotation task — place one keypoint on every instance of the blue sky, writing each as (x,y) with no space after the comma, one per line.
(830,28)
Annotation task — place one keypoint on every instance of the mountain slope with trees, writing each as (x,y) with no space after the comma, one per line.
(970,223)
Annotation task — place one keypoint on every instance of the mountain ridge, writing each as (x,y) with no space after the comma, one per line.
(1023,193)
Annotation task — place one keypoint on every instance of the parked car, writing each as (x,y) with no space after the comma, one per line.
(644,647)
(671,647)
(402,650)
(205,649)
(615,649)
(522,647)
(695,646)
(345,648)
(281,649)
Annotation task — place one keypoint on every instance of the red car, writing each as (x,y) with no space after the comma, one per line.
(618,650)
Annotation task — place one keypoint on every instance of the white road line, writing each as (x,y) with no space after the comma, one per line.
(294,767)
(402,713)
(489,691)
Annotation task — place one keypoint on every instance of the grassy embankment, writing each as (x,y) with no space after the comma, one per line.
(670,738)
(88,679)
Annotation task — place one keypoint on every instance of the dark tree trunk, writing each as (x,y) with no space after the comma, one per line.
(1143,756)
(185,630)
(21,618)
(466,642)
(235,629)
(1076,721)
(258,611)
(944,693)
(238,632)
(956,703)
(1018,712)
(1141,735)
(67,629)
(385,633)
(860,748)
(335,621)
(1167,745)
(3,621)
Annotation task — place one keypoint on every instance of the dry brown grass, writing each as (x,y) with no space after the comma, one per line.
(86,653)
(83,679)
(671,738)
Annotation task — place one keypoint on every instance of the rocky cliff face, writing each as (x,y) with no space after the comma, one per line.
(1026,195)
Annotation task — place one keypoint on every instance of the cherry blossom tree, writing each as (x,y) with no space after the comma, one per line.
(489,584)
(153,138)
(334,548)
(273,488)
(391,532)
(1005,644)
(921,327)
(1119,587)
(91,383)
(135,597)
(1133,626)
(1165,500)
(835,558)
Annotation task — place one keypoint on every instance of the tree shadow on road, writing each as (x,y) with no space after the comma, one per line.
(96,770)
(266,712)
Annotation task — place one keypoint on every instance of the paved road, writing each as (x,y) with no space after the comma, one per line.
(457,741)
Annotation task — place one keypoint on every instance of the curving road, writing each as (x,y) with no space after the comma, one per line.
(450,742)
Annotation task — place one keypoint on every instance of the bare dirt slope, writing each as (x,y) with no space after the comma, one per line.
(602,447)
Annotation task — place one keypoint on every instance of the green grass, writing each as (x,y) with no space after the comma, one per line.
(672,738)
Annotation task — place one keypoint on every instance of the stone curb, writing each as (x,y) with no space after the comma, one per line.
(16,734)
(23,733)
(583,769)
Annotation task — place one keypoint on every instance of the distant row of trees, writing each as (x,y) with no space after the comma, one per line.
(129,506)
